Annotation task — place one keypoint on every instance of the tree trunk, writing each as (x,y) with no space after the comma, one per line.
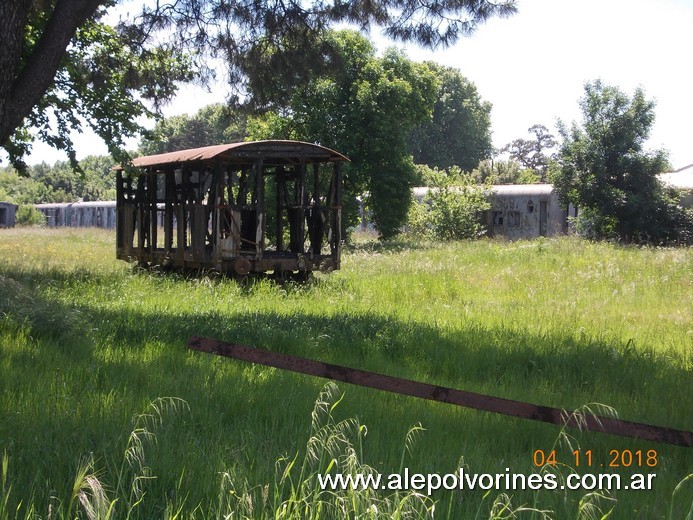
(21,87)
(13,15)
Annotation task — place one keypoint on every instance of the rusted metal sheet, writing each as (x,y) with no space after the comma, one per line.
(277,148)
(442,394)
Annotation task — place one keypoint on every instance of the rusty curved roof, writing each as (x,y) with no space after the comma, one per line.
(244,151)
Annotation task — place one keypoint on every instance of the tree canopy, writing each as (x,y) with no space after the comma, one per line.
(213,124)
(497,171)
(606,171)
(533,153)
(366,110)
(62,66)
(459,132)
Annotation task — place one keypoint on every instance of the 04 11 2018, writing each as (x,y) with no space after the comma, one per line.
(587,458)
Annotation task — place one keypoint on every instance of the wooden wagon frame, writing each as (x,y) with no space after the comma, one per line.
(239,208)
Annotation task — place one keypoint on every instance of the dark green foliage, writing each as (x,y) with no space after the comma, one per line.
(533,153)
(459,132)
(504,172)
(608,174)
(29,216)
(213,124)
(452,209)
(285,44)
(27,190)
(104,80)
(365,109)
(62,68)
(60,182)
(452,213)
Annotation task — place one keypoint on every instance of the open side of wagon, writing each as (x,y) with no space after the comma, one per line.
(238,208)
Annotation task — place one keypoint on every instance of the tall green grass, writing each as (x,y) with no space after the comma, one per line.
(88,343)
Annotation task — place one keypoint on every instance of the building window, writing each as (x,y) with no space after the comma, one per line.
(498,218)
(513,219)
(530,207)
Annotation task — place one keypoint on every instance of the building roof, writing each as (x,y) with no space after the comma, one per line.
(522,189)
(502,189)
(681,179)
(244,152)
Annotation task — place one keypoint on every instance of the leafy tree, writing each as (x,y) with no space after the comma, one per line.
(459,132)
(60,182)
(213,124)
(366,110)
(97,180)
(25,190)
(532,153)
(429,177)
(504,172)
(608,174)
(61,66)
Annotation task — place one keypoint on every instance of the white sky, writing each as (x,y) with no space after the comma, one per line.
(532,68)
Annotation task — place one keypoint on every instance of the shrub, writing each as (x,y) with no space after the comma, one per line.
(456,212)
(29,216)
(449,212)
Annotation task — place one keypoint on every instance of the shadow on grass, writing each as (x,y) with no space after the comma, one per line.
(89,370)
(555,370)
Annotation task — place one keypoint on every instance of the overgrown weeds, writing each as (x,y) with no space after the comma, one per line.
(86,344)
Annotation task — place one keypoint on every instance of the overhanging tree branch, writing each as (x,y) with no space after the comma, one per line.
(38,73)
(185,34)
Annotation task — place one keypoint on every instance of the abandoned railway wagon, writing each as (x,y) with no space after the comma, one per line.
(525,211)
(79,214)
(519,211)
(239,208)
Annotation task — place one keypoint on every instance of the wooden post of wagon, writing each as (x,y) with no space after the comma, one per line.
(316,229)
(218,201)
(301,195)
(139,215)
(169,195)
(153,189)
(337,209)
(260,220)
(182,218)
(279,228)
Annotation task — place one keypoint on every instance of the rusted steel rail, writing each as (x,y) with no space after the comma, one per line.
(442,394)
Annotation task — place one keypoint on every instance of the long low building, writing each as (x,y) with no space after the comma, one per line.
(525,211)
(79,214)
(517,211)
(520,210)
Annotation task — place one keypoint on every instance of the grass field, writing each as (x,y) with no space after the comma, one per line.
(104,412)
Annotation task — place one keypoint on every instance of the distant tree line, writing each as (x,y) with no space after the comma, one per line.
(60,182)
(406,124)
(383,112)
